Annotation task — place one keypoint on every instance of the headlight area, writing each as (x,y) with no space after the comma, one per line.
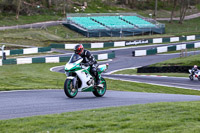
(70,73)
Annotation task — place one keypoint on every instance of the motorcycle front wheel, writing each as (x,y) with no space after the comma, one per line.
(191,77)
(69,90)
(100,91)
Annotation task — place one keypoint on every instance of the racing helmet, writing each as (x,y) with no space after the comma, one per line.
(78,49)
(195,66)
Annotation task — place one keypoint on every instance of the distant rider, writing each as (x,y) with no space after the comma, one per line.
(88,60)
(194,69)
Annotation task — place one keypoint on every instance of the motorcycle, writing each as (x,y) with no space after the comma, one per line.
(79,78)
(196,75)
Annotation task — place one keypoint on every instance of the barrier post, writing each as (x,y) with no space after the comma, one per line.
(3,53)
(181,53)
(186,52)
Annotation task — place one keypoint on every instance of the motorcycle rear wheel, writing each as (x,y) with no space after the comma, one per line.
(199,78)
(69,90)
(99,92)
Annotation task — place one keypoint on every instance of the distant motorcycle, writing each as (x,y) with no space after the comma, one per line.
(80,79)
(196,75)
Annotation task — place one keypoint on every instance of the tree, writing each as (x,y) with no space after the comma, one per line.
(18,9)
(156,8)
(64,7)
(184,4)
(49,3)
(173,9)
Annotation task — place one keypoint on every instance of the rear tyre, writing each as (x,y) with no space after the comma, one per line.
(199,78)
(191,77)
(100,91)
(69,90)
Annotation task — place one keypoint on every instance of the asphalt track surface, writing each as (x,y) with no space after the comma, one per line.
(41,102)
(17,104)
(124,59)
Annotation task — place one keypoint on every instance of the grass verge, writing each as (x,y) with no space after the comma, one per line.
(57,34)
(148,88)
(38,76)
(30,76)
(188,26)
(183,51)
(134,72)
(183,61)
(10,20)
(175,117)
(60,34)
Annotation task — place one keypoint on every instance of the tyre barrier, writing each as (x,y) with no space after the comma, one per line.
(104,56)
(164,69)
(163,49)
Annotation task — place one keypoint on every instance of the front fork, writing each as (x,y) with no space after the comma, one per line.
(73,78)
(74,81)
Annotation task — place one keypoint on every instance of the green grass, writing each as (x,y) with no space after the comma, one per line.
(61,34)
(184,61)
(27,77)
(148,88)
(198,6)
(97,6)
(188,26)
(38,76)
(183,51)
(55,34)
(10,20)
(178,117)
(34,37)
(134,72)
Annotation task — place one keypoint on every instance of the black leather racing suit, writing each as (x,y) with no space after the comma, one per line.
(89,60)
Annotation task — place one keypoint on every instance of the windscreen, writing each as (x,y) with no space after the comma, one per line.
(74,58)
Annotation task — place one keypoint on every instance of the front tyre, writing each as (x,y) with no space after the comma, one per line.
(69,90)
(100,91)
(191,77)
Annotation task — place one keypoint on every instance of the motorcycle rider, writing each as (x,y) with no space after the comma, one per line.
(88,60)
(194,69)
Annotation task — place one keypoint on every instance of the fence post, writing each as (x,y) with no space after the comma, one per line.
(181,53)
(3,53)
(186,52)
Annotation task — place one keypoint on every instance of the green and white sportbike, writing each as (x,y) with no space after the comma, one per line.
(80,79)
